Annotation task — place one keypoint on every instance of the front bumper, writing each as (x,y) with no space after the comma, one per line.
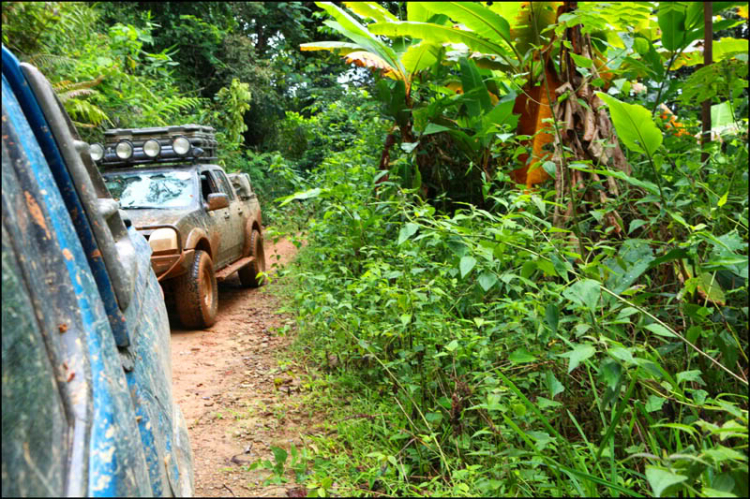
(169,263)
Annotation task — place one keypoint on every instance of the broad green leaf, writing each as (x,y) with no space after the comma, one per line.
(466,264)
(621,353)
(487,280)
(435,128)
(419,57)
(672,18)
(709,492)
(554,387)
(660,330)
(472,83)
(584,292)
(710,286)
(440,34)
(722,119)
(720,454)
(502,113)
(660,479)
(636,224)
(416,12)
(408,230)
(693,375)
(726,48)
(371,10)
(352,29)
(578,355)
(279,455)
(654,403)
(634,125)
(452,345)
(521,356)
(308,194)
(546,267)
(478,18)
(611,373)
(552,316)
(581,61)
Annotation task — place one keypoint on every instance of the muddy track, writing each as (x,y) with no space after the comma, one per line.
(236,399)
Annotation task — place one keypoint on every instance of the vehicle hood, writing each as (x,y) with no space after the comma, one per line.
(151,216)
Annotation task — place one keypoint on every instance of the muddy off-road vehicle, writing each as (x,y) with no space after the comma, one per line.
(201,229)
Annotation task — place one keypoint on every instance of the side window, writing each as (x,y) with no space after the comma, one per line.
(224,184)
(207,186)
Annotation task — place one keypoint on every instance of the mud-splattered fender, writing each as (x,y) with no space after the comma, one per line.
(197,235)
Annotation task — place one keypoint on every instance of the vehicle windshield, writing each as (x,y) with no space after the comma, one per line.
(152,190)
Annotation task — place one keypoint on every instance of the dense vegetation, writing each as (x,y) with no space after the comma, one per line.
(526,260)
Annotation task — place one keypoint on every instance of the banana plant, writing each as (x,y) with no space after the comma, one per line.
(367,50)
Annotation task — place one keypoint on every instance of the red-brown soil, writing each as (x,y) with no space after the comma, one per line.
(237,400)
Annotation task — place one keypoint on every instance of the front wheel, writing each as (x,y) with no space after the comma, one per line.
(197,294)
(249,273)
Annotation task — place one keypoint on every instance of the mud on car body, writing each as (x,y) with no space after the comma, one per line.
(87,407)
(200,229)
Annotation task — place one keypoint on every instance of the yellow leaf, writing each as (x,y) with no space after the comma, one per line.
(742,11)
(368,60)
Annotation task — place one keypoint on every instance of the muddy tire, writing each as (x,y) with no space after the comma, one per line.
(197,294)
(249,272)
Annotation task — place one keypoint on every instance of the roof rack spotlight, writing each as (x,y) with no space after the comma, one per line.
(184,144)
(181,145)
(151,148)
(96,151)
(124,149)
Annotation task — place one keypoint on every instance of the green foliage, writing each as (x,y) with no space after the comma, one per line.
(233,102)
(453,324)
(634,125)
(480,352)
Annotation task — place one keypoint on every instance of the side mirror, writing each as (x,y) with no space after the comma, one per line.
(217,201)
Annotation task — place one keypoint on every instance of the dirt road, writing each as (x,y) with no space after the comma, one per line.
(236,399)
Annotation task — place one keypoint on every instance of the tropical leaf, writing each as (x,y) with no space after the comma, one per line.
(478,18)
(88,114)
(472,82)
(351,28)
(523,33)
(370,10)
(417,12)
(672,17)
(634,125)
(441,34)
(342,48)
(369,60)
(420,56)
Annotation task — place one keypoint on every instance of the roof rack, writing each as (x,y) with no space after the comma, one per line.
(140,146)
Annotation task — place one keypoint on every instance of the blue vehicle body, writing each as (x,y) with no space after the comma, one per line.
(87,404)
